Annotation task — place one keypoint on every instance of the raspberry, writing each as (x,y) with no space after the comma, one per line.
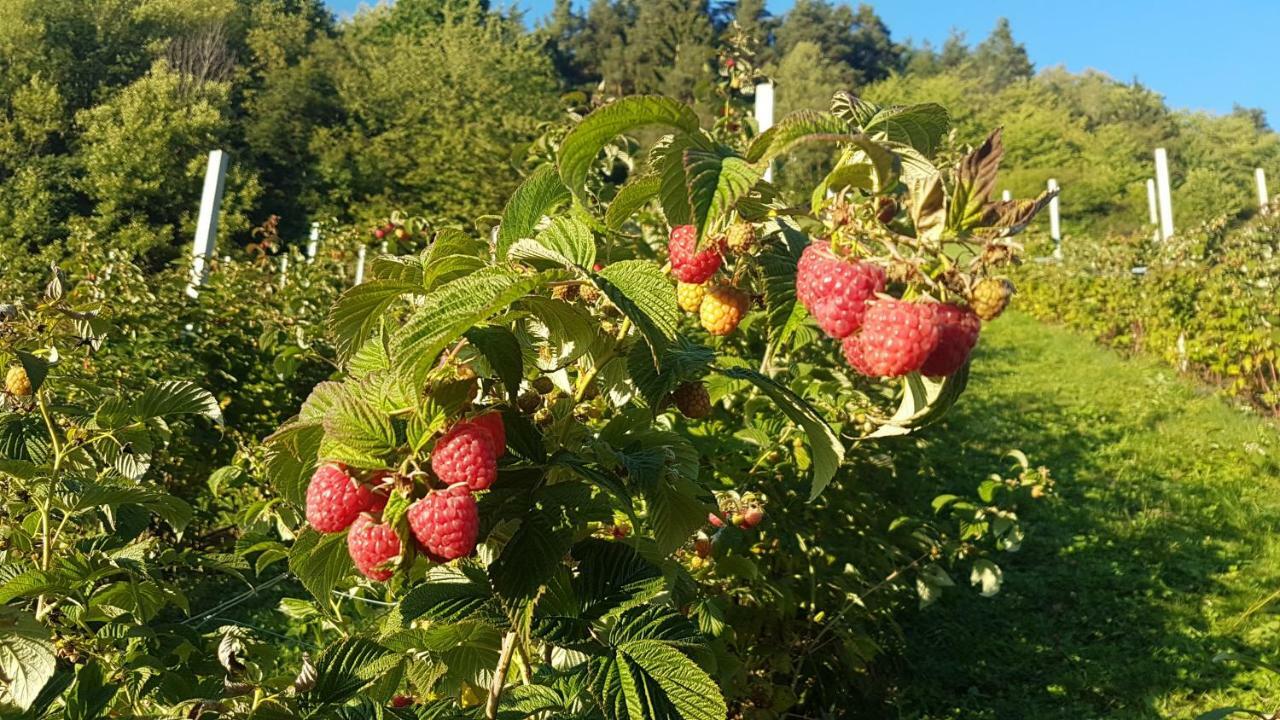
(335,499)
(740,237)
(896,338)
(957,334)
(17,382)
(371,545)
(689,296)
(445,523)
(852,347)
(693,400)
(687,264)
(492,422)
(836,291)
(991,297)
(722,309)
(465,454)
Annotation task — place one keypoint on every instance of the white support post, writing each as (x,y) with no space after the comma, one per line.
(215,177)
(1006,196)
(360,265)
(1163,194)
(764,115)
(1153,210)
(284,271)
(1055,223)
(313,242)
(1264,199)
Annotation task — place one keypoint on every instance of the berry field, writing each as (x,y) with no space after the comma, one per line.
(424,364)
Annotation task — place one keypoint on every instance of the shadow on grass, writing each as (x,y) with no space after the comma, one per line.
(1111,608)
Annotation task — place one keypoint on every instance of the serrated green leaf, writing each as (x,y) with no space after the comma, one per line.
(320,562)
(643,293)
(359,310)
(344,668)
(852,109)
(176,397)
(631,197)
(921,126)
(538,195)
(447,595)
(716,181)
(27,659)
(800,127)
(566,242)
(581,146)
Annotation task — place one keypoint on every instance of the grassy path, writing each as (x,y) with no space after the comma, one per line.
(1162,535)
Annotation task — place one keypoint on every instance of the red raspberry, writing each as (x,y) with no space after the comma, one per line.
(492,422)
(372,544)
(465,454)
(852,347)
(958,330)
(836,291)
(896,338)
(445,523)
(334,499)
(688,265)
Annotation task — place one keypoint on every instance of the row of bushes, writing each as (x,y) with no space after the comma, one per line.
(1206,301)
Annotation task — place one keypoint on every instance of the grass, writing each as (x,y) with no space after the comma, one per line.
(1144,566)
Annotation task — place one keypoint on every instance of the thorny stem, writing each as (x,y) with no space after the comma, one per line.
(500,675)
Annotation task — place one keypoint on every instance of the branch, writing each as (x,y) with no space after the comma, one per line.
(500,675)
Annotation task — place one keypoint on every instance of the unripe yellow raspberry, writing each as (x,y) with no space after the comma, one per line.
(17,382)
(740,237)
(689,296)
(722,309)
(991,297)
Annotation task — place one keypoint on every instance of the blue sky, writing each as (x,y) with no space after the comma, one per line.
(1201,56)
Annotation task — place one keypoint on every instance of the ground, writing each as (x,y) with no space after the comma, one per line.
(1158,552)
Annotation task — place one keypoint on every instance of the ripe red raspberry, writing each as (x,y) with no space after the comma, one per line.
(492,422)
(688,265)
(896,338)
(852,347)
(445,523)
(465,454)
(371,545)
(334,499)
(722,309)
(836,291)
(958,330)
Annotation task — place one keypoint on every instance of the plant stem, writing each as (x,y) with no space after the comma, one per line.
(609,356)
(46,501)
(500,675)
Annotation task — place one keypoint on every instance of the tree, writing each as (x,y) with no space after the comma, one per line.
(1000,59)
(859,39)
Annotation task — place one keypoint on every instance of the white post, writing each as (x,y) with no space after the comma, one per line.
(1055,223)
(284,271)
(1006,196)
(1153,211)
(1162,191)
(360,265)
(215,177)
(313,242)
(764,115)
(1264,199)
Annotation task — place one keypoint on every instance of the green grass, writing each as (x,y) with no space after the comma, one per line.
(1160,538)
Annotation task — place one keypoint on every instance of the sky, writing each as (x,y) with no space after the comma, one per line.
(1200,56)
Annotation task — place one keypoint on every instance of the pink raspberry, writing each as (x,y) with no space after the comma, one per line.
(688,265)
(852,347)
(372,545)
(958,330)
(836,291)
(445,523)
(465,454)
(492,422)
(896,338)
(334,498)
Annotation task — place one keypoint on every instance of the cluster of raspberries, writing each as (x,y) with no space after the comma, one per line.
(882,336)
(720,307)
(444,522)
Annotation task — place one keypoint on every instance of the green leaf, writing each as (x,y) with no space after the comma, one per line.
(90,695)
(852,109)
(924,402)
(530,558)
(649,680)
(357,432)
(447,595)
(171,509)
(502,350)
(828,452)
(343,669)
(320,562)
(612,576)
(37,369)
(685,361)
(581,146)
(987,575)
(359,310)
(27,659)
(177,397)
(452,309)
(631,197)
(803,126)
(921,127)
(559,332)
(567,242)
(643,293)
(778,261)
(716,180)
(974,184)
(539,195)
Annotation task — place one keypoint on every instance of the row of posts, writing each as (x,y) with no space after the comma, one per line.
(1159,203)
